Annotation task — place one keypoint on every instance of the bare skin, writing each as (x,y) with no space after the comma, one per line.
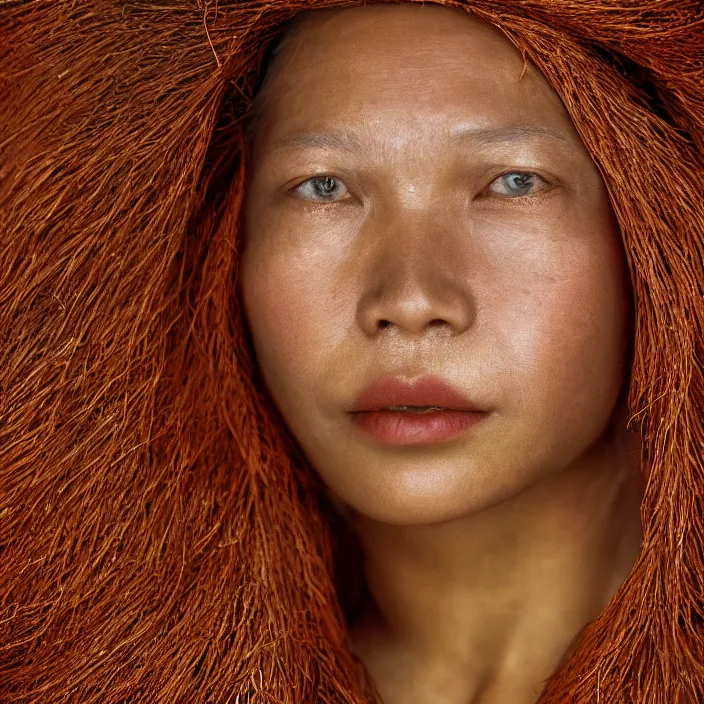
(391,228)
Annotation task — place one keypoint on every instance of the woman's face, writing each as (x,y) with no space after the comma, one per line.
(416,208)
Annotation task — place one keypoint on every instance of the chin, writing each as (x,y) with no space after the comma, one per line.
(423,492)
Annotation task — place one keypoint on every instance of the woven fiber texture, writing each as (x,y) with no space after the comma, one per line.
(161,537)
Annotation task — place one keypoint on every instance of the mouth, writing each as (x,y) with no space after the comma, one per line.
(413,409)
(425,395)
(394,411)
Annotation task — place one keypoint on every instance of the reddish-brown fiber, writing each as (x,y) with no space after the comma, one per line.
(161,538)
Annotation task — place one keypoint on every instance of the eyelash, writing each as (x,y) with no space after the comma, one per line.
(320,177)
(543,185)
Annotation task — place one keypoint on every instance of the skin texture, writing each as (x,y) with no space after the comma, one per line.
(485,554)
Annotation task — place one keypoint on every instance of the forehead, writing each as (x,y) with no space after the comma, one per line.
(411,65)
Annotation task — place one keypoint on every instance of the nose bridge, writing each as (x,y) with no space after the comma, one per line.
(413,272)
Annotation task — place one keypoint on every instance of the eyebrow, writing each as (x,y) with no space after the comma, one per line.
(344,141)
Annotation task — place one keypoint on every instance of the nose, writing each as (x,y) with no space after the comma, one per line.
(415,278)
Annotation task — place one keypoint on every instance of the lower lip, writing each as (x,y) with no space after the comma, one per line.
(408,428)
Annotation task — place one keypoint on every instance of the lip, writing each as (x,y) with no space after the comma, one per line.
(427,391)
(371,413)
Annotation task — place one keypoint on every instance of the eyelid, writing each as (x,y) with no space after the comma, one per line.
(547,183)
(322,175)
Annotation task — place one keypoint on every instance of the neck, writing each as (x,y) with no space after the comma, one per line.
(483,609)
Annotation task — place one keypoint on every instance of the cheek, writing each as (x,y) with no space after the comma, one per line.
(287,298)
(563,328)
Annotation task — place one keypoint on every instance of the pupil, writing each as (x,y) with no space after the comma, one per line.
(326,184)
(520,180)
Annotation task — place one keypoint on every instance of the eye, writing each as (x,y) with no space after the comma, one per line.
(321,188)
(517,183)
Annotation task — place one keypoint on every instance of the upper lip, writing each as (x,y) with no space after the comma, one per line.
(426,391)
